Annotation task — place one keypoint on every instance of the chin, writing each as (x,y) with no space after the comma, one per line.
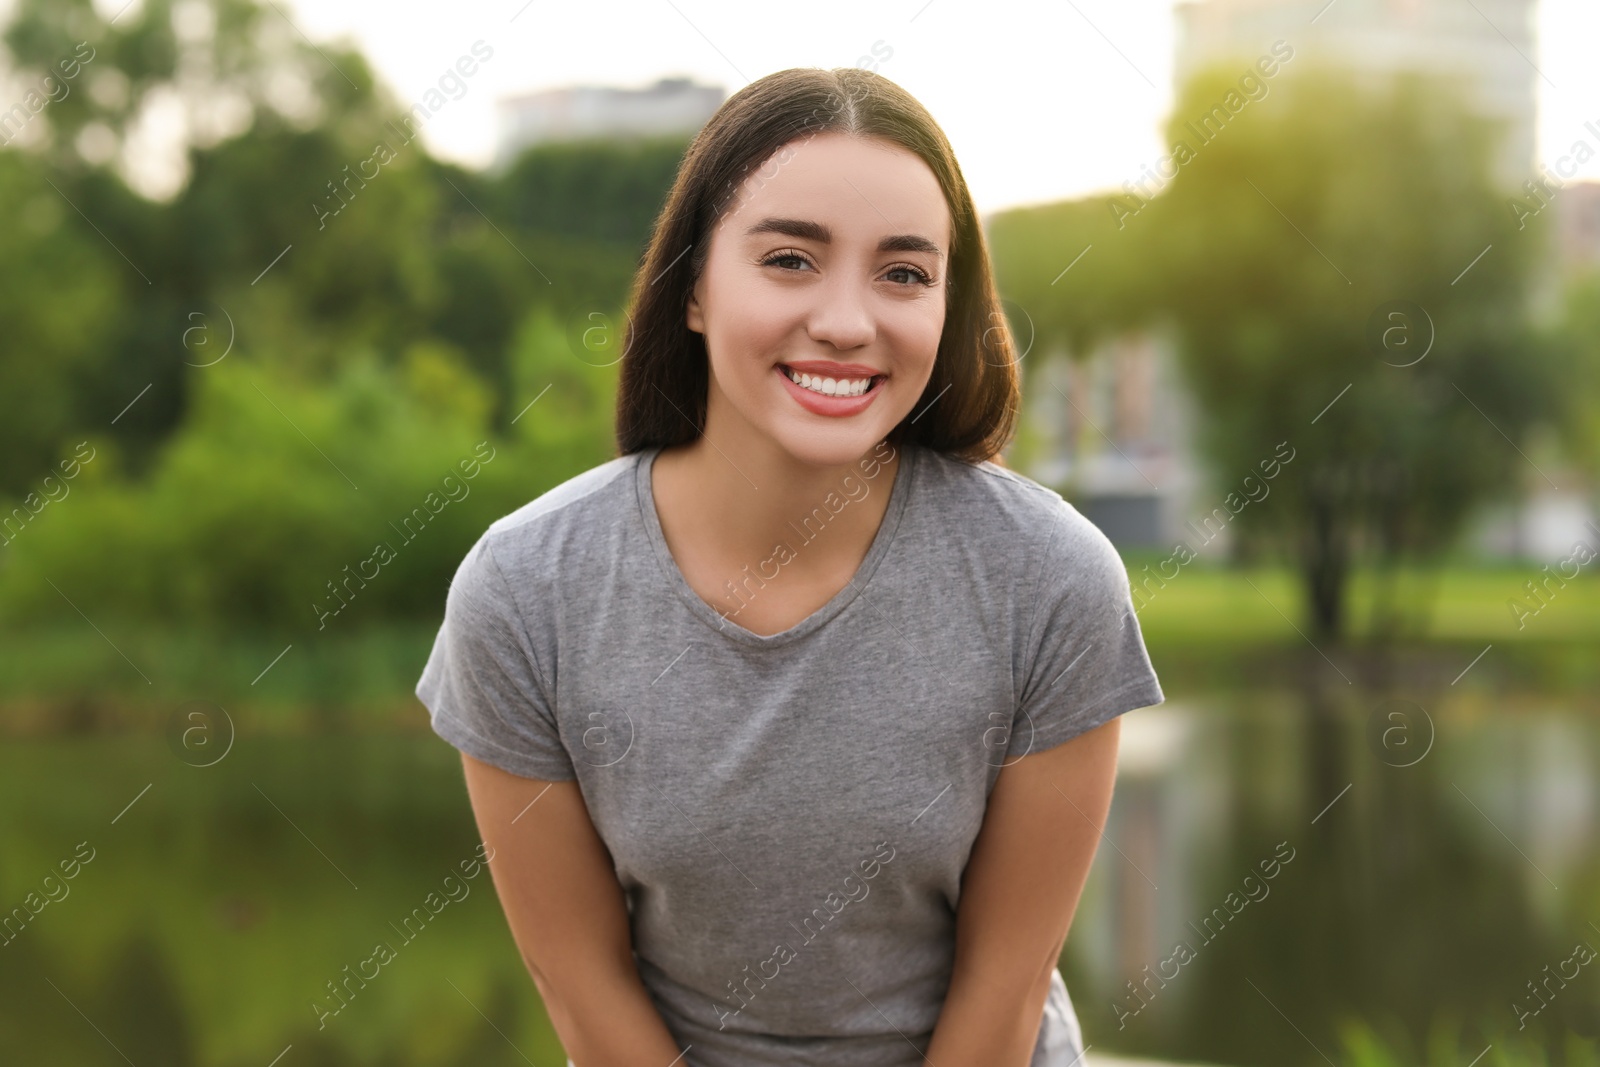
(828,447)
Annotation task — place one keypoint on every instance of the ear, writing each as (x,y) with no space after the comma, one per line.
(695,317)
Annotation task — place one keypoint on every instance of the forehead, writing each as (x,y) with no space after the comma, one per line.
(860,188)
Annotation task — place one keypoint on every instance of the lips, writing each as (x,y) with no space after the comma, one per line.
(826,368)
(822,403)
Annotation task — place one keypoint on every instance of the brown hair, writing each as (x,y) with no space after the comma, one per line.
(969,408)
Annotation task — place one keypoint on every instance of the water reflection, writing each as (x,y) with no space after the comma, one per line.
(1310,873)
(229,911)
(1427,883)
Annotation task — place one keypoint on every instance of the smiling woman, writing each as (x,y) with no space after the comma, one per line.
(670,792)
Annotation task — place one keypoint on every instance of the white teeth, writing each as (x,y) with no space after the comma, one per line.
(829,386)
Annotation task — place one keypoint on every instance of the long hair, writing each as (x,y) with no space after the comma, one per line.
(969,407)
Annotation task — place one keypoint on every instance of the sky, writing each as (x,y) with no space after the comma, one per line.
(1041,102)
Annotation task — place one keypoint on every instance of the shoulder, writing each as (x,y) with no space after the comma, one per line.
(558,529)
(571,502)
(1012,509)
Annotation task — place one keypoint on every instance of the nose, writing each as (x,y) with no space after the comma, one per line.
(842,315)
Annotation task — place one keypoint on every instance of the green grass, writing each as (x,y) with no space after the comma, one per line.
(1224,627)
(1492,1044)
(1209,604)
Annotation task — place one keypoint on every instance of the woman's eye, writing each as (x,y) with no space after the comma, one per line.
(783,259)
(917,276)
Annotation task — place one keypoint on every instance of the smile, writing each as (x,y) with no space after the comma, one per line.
(830,386)
(831,396)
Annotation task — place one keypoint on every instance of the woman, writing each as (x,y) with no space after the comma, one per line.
(793,727)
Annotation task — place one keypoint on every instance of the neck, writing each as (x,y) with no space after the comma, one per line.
(744,500)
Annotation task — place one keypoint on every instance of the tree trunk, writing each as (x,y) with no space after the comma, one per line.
(1326,568)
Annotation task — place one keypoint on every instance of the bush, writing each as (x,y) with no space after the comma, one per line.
(284,503)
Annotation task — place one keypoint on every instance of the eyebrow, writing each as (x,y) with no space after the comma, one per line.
(805,229)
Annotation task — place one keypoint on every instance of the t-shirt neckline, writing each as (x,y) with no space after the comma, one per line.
(899,494)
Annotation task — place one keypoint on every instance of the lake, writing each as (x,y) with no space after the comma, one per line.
(1275,863)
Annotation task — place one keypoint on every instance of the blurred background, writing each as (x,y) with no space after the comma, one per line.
(1309,307)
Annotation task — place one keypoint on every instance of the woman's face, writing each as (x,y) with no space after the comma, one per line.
(831,265)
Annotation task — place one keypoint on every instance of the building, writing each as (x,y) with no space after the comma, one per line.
(1114,434)
(671,105)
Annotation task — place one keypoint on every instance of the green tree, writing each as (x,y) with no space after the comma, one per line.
(259,103)
(1578,334)
(57,290)
(598,189)
(1073,274)
(1285,243)
(223,62)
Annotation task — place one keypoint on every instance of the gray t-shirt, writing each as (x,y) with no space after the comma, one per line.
(790,815)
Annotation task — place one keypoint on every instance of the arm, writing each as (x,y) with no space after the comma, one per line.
(1018,895)
(559,890)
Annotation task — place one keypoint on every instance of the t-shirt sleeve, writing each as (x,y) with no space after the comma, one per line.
(483,686)
(1086,659)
